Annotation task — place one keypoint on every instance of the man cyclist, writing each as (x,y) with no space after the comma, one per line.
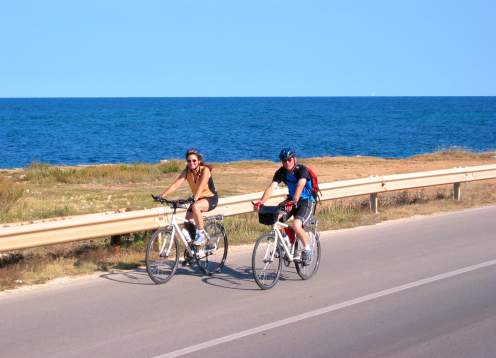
(300,202)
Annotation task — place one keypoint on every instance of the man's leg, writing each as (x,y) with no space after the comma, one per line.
(302,217)
(297,226)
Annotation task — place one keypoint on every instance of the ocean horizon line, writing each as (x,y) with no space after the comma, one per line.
(240,97)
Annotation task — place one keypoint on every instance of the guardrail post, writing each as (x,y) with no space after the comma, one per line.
(115,240)
(374,203)
(457,193)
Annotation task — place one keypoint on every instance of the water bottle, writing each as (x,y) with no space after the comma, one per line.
(186,235)
(286,239)
(291,234)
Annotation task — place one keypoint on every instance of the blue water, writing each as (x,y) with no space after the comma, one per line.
(112,130)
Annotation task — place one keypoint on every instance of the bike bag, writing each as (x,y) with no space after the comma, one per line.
(268,215)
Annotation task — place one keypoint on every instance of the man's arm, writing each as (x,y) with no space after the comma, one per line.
(265,196)
(268,192)
(299,188)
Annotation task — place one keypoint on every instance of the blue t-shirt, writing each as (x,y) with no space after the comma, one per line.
(291,180)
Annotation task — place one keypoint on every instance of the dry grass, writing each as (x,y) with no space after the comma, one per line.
(42,191)
(39,265)
(114,174)
(10,192)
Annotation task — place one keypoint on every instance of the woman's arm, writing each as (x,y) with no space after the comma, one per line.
(176,184)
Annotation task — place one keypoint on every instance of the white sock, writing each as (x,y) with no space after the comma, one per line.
(307,248)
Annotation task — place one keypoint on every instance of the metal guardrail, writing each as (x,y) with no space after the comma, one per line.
(67,229)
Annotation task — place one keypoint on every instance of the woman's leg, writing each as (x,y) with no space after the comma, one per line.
(197,208)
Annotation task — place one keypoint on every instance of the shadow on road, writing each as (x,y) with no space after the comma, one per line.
(139,276)
(241,278)
(233,278)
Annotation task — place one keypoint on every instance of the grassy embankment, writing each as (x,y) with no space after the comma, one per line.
(42,191)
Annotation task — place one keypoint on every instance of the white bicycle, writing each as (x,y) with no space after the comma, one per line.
(272,249)
(162,251)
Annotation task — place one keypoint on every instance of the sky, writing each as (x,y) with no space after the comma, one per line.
(247,48)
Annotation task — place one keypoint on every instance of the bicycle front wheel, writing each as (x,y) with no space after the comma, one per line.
(213,256)
(266,261)
(307,271)
(162,256)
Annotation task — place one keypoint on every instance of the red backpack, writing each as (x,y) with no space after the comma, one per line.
(315,184)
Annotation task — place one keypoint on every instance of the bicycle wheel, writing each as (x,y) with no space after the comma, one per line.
(307,271)
(162,256)
(212,257)
(266,262)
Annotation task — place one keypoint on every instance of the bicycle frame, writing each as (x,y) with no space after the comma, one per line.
(279,240)
(177,230)
(289,250)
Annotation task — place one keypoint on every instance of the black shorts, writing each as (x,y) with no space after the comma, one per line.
(303,211)
(212,203)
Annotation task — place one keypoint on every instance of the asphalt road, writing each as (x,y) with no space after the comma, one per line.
(421,287)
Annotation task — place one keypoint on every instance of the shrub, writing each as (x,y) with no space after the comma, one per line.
(10,192)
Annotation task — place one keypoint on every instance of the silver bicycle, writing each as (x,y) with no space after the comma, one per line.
(272,249)
(162,251)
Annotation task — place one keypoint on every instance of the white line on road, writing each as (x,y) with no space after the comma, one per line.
(324,310)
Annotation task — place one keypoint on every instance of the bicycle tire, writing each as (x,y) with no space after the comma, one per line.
(266,279)
(161,268)
(306,272)
(212,262)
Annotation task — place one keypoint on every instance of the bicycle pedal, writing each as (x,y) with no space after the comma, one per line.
(186,263)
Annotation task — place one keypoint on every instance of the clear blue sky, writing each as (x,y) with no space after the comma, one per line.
(247,48)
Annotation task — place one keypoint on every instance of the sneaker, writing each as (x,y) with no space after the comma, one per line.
(306,257)
(199,238)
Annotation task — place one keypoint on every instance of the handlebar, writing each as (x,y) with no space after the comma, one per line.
(179,203)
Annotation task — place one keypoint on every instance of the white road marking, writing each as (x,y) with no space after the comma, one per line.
(324,310)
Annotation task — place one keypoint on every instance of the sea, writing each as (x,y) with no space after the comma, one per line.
(77,131)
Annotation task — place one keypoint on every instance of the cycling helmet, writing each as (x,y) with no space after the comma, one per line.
(287,153)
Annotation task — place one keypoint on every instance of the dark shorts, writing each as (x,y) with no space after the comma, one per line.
(212,203)
(303,211)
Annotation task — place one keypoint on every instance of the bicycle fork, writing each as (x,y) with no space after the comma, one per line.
(163,244)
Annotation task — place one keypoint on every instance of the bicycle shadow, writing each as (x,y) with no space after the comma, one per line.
(241,278)
(233,278)
(139,276)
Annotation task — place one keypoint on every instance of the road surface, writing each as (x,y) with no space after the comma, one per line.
(420,287)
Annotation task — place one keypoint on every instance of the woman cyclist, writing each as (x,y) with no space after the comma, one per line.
(205,198)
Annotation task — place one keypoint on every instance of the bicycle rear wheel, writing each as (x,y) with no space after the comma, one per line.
(212,257)
(266,262)
(162,256)
(307,271)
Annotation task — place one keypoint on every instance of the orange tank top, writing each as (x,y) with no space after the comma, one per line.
(194,183)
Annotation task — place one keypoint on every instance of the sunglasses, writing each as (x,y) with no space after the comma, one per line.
(286,160)
(191,160)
